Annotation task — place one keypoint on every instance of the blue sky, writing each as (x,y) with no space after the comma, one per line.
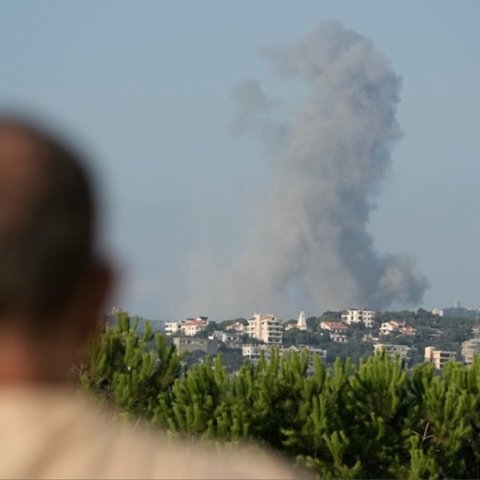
(146,88)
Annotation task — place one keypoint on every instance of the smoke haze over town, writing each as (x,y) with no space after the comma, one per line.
(309,244)
(257,156)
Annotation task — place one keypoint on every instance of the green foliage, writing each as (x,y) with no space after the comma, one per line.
(128,370)
(299,337)
(371,419)
(330,316)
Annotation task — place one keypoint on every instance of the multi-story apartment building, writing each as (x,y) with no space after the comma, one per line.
(392,350)
(359,315)
(265,327)
(253,352)
(470,348)
(438,357)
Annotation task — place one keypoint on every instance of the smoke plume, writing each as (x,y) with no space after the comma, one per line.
(309,246)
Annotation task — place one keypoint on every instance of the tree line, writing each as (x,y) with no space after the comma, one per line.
(374,419)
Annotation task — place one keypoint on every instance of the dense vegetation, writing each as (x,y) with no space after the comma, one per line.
(372,420)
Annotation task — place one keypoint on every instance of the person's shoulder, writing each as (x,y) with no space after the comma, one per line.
(158,455)
(191,459)
(139,451)
(70,437)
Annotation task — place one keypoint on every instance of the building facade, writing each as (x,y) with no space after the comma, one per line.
(470,348)
(192,344)
(265,327)
(438,357)
(359,315)
(171,328)
(390,327)
(337,331)
(391,349)
(253,352)
(189,327)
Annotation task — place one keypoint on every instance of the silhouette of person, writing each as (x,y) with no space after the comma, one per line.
(52,288)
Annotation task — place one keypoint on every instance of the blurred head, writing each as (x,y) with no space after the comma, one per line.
(47,261)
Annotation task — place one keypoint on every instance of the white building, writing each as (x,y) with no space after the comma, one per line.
(438,357)
(335,327)
(339,337)
(470,348)
(391,326)
(190,327)
(337,330)
(230,338)
(392,350)
(236,326)
(253,352)
(265,327)
(359,315)
(172,327)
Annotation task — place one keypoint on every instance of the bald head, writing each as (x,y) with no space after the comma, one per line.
(46,221)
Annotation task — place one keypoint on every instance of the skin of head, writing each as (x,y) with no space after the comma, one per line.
(52,285)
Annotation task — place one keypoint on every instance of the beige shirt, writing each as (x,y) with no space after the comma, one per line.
(51,433)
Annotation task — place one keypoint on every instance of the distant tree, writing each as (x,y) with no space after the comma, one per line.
(232,358)
(355,351)
(194,357)
(403,315)
(295,337)
(357,331)
(312,324)
(330,316)
(424,314)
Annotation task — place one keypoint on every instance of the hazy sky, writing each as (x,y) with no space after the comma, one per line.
(146,88)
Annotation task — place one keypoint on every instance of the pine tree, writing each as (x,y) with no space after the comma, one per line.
(374,420)
(128,370)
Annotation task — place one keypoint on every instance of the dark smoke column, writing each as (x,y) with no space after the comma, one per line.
(311,243)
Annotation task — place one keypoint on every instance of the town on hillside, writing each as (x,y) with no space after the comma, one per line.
(436,336)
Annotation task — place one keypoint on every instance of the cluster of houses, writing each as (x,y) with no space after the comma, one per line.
(188,327)
(261,332)
(470,349)
(266,330)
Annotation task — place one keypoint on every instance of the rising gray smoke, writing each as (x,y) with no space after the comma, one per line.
(309,246)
